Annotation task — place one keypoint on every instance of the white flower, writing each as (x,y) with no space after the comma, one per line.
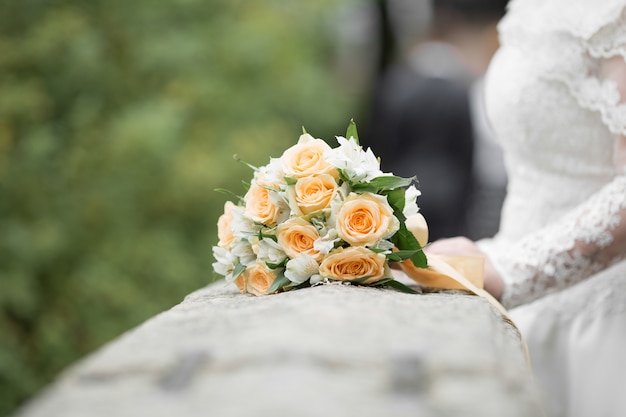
(242,226)
(301,268)
(225,262)
(243,250)
(280,200)
(271,173)
(270,251)
(324,244)
(315,279)
(410,203)
(358,165)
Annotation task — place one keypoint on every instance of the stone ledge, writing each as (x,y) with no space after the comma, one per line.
(332,350)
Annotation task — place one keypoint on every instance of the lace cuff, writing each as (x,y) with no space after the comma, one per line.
(589,239)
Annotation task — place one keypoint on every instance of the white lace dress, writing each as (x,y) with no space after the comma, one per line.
(555,96)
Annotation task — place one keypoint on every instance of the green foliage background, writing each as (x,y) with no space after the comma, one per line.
(117,121)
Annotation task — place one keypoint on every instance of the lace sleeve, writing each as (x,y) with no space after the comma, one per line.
(591,237)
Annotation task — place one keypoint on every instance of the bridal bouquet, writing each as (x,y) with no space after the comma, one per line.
(317,215)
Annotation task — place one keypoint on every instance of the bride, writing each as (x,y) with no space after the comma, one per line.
(556,93)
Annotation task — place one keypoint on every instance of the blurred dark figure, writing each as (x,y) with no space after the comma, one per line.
(426,119)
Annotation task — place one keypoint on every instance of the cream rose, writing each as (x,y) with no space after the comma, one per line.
(224,231)
(311,194)
(240,282)
(297,236)
(364,219)
(259,205)
(306,158)
(258,278)
(347,264)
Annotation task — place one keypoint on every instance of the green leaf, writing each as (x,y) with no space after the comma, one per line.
(279,265)
(267,235)
(404,240)
(236,158)
(343,177)
(383,183)
(397,200)
(270,188)
(360,280)
(280,281)
(290,181)
(351,131)
(420,260)
(397,285)
(239,268)
(401,255)
(296,286)
(378,250)
(320,222)
(304,132)
(227,192)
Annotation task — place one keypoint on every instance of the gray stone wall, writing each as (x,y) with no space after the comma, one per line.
(331,350)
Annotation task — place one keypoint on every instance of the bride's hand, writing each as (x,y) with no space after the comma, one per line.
(464,247)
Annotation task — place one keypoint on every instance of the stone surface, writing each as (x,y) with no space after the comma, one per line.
(331,350)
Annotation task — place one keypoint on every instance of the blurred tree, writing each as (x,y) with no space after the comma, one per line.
(117,121)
